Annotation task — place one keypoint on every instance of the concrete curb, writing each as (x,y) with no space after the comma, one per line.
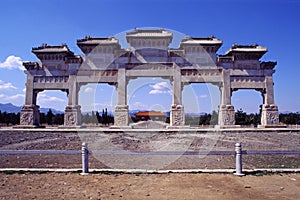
(143,171)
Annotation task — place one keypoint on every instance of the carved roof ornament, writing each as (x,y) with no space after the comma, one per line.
(212,40)
(254,48)
(31,65)
(45,48)
(88,40)
(149,38)
(268,65)
(149,33)
(88,43)
(149,46)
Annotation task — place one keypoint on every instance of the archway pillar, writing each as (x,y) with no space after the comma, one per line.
(226,110)
(30,112)
(269,111)
(121,117)
(72,117)
(177,116)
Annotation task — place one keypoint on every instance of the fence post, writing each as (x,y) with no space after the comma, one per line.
(85,159)
(238,160)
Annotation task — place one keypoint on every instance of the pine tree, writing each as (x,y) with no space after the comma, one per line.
(1,118)
(98,117)
(214,118)
(49,117)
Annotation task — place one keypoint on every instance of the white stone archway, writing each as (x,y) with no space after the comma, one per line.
(194,61)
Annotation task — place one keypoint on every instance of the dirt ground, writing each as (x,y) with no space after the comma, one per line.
(135,141)
(148,186)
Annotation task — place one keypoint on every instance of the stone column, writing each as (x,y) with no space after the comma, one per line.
(72,116)
(121,109)
(177,109)
(226,110)
(269,114)
(30,113)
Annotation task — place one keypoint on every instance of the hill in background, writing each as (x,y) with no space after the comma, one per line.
(10,108)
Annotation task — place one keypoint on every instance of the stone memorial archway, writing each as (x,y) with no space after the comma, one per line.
(149,55)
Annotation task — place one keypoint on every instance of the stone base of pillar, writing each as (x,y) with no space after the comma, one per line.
(226,126)
(121,117)
(226,117)
(177,117)
(29,117)
(72,118)
(121,127)
(178,127)
(272,126)
(270,117)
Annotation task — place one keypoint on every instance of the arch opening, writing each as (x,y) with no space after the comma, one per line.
(247,113)
(201,101)
(97,101)
(52,104)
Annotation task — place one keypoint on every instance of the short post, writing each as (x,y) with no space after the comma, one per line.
(238,160)
(85,159)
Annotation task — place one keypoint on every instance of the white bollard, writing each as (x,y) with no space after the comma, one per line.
(238,160)
(85,159)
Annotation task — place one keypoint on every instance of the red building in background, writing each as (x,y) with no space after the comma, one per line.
(150,115)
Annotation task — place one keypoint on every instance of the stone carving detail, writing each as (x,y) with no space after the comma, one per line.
(70,119)
(26,118)
(121,115)
(226,115)
(270,115)
(72,116)
(30,115)
(177,115)
(51,79)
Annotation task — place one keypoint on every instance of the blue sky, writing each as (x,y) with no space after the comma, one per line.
(271,23)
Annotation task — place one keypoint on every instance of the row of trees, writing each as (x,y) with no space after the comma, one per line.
(51,119)
(58,119)
(9,118)
(241,118)
(96,118)
(206,119)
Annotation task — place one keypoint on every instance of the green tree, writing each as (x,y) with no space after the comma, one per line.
(1,118)
(99,118)
(58,119)
(214,118)
(205,119)
(94,118)
(49,117)
(86,118)
(290,118)
(104,116)
(253,119)
(43,119)
(5,118)
(240,117)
